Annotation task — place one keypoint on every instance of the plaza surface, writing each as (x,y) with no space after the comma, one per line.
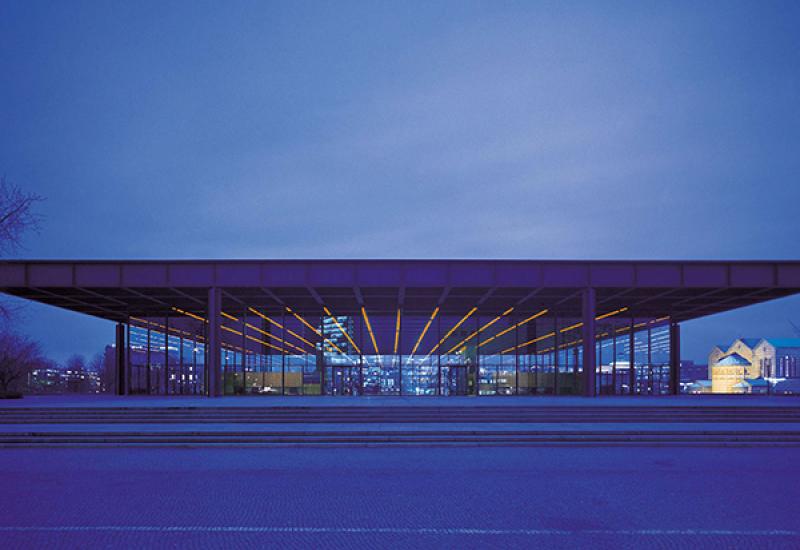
(366,495)
(406,497)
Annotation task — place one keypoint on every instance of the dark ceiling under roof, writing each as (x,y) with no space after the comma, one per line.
(682,290)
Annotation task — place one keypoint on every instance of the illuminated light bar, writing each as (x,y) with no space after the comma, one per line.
(306,323)
(190,314)
(529,342)
(639,325)
(232,318)
(509,329)
(293,333)
(330,345)
(341,329)
(254,339)
(276,323)
(281,340)
(571,327)
(452,330)
(481,329)
(159,325)
(270,335)
(318,333)
(598,318)
(610,313)
(422,335)
(280,326)
(397,332)
(369,329)
(273,346)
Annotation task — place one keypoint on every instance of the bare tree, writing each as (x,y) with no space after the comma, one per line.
(18,355)
(102,364)
(16,215)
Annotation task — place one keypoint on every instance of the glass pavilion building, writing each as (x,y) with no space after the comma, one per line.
(398,327)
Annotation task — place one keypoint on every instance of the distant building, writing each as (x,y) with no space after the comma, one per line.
(81,380)
(778,357)
(46,378)
(754,365)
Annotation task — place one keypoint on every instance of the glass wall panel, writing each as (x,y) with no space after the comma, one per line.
(294,366)
(312,377)
(174,349)
(421,375)
(157,370)
(659,359)
(640,363)
(137,360)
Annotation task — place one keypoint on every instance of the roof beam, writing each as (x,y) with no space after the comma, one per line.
(116,315)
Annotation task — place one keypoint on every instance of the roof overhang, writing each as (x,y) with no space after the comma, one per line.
(682,290)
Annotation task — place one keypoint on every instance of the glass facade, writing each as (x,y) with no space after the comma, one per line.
(511,352)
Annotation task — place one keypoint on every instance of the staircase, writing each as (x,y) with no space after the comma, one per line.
(399,425)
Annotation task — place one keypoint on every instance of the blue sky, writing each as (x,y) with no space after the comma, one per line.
(426,130)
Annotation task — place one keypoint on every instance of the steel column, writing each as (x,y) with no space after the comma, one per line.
(632,357)
(556,343)
(588,329)
(147,372)
(213,344)
(674,357)
(120,349)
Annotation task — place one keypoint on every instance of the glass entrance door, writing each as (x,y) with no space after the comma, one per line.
(345,380)
(456,380)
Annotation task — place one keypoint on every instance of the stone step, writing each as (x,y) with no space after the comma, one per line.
(638,437)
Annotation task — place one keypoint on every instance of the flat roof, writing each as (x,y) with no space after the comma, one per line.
(682,290)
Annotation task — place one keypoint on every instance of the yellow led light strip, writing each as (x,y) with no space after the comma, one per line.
(611,313)
(276,323)
(174,330)
(318,333)
(281,340)
(598,318)
(481,329)
(280,326)
(565,329)
(369,329)
(189,314)
(253,338)
(341,329)
(529,342)
(512,327)
(422,334)
(397,332)
(236,319)
(451,331)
